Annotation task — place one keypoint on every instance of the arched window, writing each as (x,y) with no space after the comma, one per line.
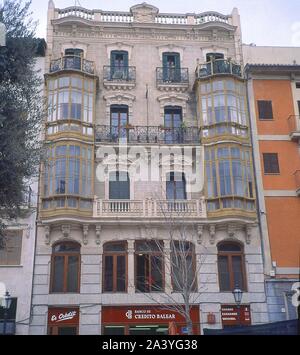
(65,267)
(183,264)
(231,266)
(149,268)
(115,267)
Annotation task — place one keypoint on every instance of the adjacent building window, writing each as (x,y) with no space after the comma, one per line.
(118,122)
(119,185)
(231,267)
(297,85)
(173,124)
(183,265)
(10,254)
(229,178)
(68,172)
(223,108)
(119,65)
(65,268)
(149,270)
(114,267)
(70,98)
(176,186)
(271,163)
(214,56)
(265,110)
(299,107)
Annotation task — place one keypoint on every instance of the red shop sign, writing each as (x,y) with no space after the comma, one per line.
(145,315)
(57,316)
(232,315)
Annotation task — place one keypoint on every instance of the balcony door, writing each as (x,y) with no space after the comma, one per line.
(73,58)
(171,67)
(118,121)
(119,65)
(119,186)
(173,123)
(176,186)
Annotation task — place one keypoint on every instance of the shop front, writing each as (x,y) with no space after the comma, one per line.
(63,321)
(146,320)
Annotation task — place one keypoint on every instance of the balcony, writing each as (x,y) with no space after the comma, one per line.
(149,208)
(147,134)
(176,79)
(294,127)
(297,180)
(72,62)
(117,78)
(218,67)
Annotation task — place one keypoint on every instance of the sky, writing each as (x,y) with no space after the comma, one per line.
(264,22)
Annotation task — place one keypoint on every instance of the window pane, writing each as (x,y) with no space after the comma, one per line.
(66,247)
(108,273)
(11,253)
(237,271)
(156,278)
(58,274)
(142,273)
(114,247)
(66,331)
(121,273)
(271,163)
(224,277)
(72,278)
(265,110)
(229,247)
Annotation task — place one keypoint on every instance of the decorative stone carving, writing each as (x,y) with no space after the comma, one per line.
(85,232)
(212,234)
(248,231)
(200,230)
(144,13)
(47,234)
(231,230)
(66,229)
(98,233)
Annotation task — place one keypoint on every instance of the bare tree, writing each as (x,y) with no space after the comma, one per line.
(180,290)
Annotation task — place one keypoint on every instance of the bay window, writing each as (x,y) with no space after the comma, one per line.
(229,178)
(70,104)
(223,108)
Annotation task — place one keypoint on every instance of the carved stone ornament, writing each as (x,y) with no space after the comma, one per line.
(200,230)
(144,13)
(248,234)
(47,234)
(212,234)
(66,230)
(98,234)
(231,230)
(85,232)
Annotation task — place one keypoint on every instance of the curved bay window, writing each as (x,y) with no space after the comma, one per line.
(115,267)
(149,269)
(70,104)
(65,268)
(231,265)
(183,264)
(68,177)
(223,108)
(229,178)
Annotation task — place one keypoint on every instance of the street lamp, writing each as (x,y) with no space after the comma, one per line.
(238,294)
(6,303)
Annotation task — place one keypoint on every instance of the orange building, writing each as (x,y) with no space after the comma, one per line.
(274,100)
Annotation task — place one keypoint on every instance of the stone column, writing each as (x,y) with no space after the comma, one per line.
(167,270)
(130,275)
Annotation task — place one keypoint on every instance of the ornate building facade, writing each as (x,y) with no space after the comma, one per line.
(149,149)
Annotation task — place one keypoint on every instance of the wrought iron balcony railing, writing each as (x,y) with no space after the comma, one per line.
(150,208)
(119,74)
(218,66)
(72,62)
(148,134)
(168,75)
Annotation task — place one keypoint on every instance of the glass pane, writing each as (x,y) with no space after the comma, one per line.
(113,247)
(156,277)
(66,247)
(66,331)
(237,271)
(229,247)
(72,278)
(58,274)
(224,276)
(108,273)
(225,179)
(142,273)
(113,330)
(121,273)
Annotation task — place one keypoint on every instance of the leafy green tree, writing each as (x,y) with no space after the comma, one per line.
(21,109)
